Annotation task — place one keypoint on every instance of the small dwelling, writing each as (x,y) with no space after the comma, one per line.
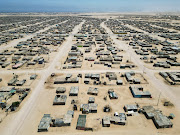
(74,91)
(45,123)
(92,91)
(81,123)
(60,100)
(138,92)
(106,121)
(60,90)
(160,120)
(129,108)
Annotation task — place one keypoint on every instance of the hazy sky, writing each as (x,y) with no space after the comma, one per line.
(89,5)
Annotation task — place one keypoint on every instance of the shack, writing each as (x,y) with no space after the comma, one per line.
(74,91)
(60,100)
(106,121)
(128,108)
(45,123)
(92,91)
(81,123)
(60,90)
(137,92)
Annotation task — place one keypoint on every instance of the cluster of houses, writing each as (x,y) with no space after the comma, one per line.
(96,79)
(27,28)
(147,46)
(171,36)
(66,79)
(118,27)
(60,99)
(105,53)
(166,24)
(7,93)
(65,28)
(138,92)
(34,51)
(6,37)
(118,119)
(159,119)
(130,79)
(165,57)
(92,26)
(48,121)
(146,26)
(74,58)
(8,24)
(22,56)
(12,94)
(172,77)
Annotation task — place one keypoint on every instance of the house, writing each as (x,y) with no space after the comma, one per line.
(58,122)
(128,76)
(136,81)
(21,82)
(160,120)
(33,77)
(65,121)
(138,92)
(93,108)
(81,123)
(174,76)
(117,120)
(70,113)
(111,75)
(60,80)
(12,82)
(88,108)
(128,108)
(119,82)
(60,90)
(91,100)
(92,91)
(112,94)
(106,121)
(86,80)
(68,76)
(93,76)
(74,91)
(45,123)
(6,89)
(63,80)
(60,100)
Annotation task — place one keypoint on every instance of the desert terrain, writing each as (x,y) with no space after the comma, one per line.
(71,48)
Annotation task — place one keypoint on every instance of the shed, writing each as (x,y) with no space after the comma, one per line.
(119,82)
(128,108)
(60,90)
(60,100)
(91,100)
(81,123)
(74,91)
(106,121)
(45,123)
(33,77)
(92,91)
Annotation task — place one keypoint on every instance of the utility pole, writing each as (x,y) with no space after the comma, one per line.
(158,99)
